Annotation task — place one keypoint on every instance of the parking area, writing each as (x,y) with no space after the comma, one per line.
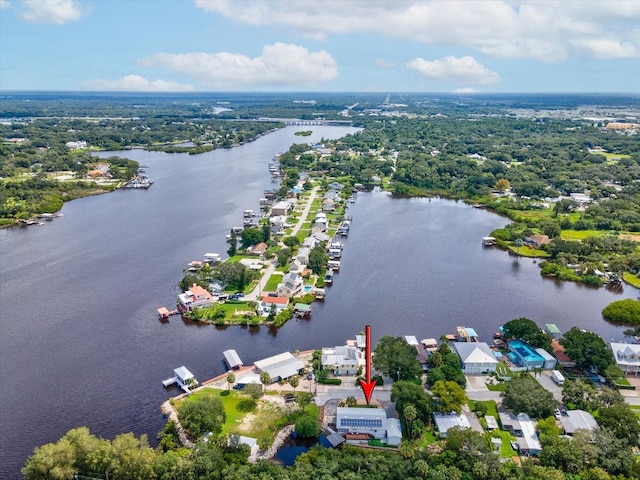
(544,379)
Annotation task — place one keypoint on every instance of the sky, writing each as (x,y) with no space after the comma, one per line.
(491,46)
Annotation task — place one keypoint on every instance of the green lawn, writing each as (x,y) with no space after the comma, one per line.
(506,451)
(503,370)
(580,234)
(631,279)
(528,252)
(498,387)
(230,403)
(273,282)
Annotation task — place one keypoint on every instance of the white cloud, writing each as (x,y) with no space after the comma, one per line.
(465,90)
(4,4)
(387,64)
(463,70)
(605,48)
(546,30)
(279,65)
(51,11)
(136,83)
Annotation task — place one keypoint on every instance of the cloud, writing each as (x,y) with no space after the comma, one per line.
(545,30)
(465,90)
(279,65)
(381,63)
(4,4)
(463,70)
(606,48)
(51,11)
(136,83)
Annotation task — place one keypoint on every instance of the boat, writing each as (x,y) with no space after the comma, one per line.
(489,241)
(328,277)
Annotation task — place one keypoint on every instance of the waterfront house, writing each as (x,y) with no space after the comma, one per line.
(258,249)
(341,360)
(185,378)
(475,357)
(268,303)
(310,242)
(303,255)
(280,208)
(328,205)
(195,297)
(536,241)
(280,367)
(561,355)
(627,356)
(296,267)
(550,362)
(525,355)
(291,286)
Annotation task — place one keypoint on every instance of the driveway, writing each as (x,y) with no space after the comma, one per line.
(544,379)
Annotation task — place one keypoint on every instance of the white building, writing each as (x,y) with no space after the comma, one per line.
(627,356)
(445,421)
(372,422)
(578,420)
(280,367)
(341,360)
(195,297)
(476,357)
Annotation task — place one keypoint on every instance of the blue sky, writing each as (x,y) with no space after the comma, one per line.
(321,45)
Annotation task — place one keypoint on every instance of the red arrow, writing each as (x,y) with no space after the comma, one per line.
(367,386)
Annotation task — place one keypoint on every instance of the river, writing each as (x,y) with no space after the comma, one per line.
(80,342)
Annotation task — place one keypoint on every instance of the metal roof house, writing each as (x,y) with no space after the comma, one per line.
(341,360)
(476,357)
(372,422)
(627,356)
(578,420)
(280,367)
(524,429)
(446,421)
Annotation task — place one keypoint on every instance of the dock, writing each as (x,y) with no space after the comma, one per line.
(183,378)
(302,310)
(232,359)
(165,313)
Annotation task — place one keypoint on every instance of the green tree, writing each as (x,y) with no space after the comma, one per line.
(620,420)
(524,394)
(203,414)
(294,382)
(253,390)
(408,393)
(623,311)
(317,259)
(251,236)
(396,358)
(586,349)
(307,426)
(410,414)
(548,426)
(527,331)
(448,397)
(265,379)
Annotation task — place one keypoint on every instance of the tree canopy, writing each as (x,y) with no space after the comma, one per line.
(525,394)
(396,358)
(587,349)
(623,311)
(527,331)
(202,414)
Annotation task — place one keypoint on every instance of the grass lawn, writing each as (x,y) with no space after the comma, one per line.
(428,437)
(636,410)
(531,214)
(503,370)
(528,252)
(498,387)
(506,450)
(614,156)
(273,282)
(631,279)
(580,234)
(492,407)
(230,403)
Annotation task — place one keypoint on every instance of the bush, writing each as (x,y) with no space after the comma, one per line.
(307,427)
(330,381)
(623,311)
(246,405)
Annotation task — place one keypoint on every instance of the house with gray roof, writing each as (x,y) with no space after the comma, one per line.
(280,367)
(476,357)
(627,356)
(578,420)
(341,360)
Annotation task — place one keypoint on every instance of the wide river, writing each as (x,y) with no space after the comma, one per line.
(80,342)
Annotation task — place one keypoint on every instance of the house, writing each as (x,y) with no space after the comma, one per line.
(560,354)
(536,241)
(303,255)
(195,297)
(185,378)
(280,367)
(292,285)
(446,421)
(550,362)
(627,357)
(296,267)
(578,420)
(328,205)
(475,357)
(524,355)
(280,208)
(249,379)
(524,429)
(342,360)
(278,221)
(269,303)
(258,249)
(310,242)
(368,422)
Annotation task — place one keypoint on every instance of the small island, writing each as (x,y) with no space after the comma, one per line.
(304,133)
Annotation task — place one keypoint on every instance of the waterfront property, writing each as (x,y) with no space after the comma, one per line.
(280,367)
(183,378)
(267,304)
(360,424)
(291,286)
(550,362)
(553,330)
(476,357)
(524,355)
(627,356)
(195,297)
(341,360)
(561,355)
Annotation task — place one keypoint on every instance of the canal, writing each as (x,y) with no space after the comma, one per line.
(80,343)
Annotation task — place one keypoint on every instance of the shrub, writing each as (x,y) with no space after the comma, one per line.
(330,381)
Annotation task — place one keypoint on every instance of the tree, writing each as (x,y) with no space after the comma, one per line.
(449,397)
(407,393)
(621,420)
(586,349)
(265,379)
(410,414)
(578,394)
(396,358)
(231,378)
(317,259)
(548,426)
(233,244)
(253,390)
(294,382)
(524,394)
(251,236)
(307,426)
(623,311)
(200,415)
(527,331)
(502,185)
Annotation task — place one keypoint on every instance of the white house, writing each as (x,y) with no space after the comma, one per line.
(372,422)
(280,367)
(280,208)
(445,421)
(627,356)
(578,420)
(292,285)
(525,431)
(476,357)
(195,297)
(341,360)
(267,303)
(303,255)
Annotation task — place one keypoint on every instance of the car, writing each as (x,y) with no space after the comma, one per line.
(239,294)
(310,376)
(557,413)
(234,296)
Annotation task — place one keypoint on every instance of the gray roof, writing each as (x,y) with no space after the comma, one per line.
(576,420)
(232,358)
(475,352)
(335,439)
(445,421)
(284,365)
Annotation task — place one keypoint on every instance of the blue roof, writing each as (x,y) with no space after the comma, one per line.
(471,332)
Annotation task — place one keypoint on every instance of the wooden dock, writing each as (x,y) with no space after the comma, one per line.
(165,313)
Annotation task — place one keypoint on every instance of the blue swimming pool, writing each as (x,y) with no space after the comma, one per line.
(524,354)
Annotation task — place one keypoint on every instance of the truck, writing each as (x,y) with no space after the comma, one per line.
(557,377)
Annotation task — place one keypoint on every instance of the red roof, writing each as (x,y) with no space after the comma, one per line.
(198,291)
(276,300)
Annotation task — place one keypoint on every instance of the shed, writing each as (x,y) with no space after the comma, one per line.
(550,361)
(492,424)
(232,359)
(553,330)
(280,366)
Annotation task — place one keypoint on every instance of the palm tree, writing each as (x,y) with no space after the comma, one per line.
(410,414)
(294,382)
(518,243)
(265,379)
(231,378)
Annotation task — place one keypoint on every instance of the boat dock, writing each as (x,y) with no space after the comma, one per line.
(183,378)
(232,359)
(165,313)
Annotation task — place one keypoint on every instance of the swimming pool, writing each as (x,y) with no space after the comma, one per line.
(524,354)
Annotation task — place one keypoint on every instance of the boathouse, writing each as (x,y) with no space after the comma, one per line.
(232,359)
